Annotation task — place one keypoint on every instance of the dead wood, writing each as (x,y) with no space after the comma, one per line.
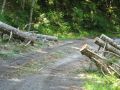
(7,29)
(110,41)
(94,57)
(108,47)
(24,36)
(100,60)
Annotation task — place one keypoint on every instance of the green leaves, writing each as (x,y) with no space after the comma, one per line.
(65,16)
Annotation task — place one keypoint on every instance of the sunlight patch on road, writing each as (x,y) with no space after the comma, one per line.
(82,76)
(15,80)
(41,51)
(61,87)
(77,48)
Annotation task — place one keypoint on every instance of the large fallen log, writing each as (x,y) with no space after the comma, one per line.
(110,41)
(100,61)
(96,58)
(86,50)
(40,37)
(107,46)
(104,63)
(7,29)
(46,37)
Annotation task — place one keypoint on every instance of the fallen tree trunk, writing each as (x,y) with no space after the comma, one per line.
(7,29)
(107,46)
(86,50)
(47,37)
(110,41)
(100,61)
(40,37)
(96,58)
(105,64)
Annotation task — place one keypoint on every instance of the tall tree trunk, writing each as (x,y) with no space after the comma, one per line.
(31,14)
(23,4)
(3,6)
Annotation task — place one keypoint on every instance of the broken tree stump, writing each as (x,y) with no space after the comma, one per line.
(108,47)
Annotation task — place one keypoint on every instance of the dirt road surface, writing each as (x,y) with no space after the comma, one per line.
(58,67)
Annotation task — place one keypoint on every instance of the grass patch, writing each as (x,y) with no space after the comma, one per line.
(29,68)
(83,34)
(97,81)
(15,48)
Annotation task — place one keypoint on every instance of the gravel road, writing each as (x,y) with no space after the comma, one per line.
(59,73)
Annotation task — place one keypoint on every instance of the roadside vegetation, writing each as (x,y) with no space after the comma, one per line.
(16,48)
(97,81)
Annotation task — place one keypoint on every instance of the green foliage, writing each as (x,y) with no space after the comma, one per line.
(99,82)
(2,18)
(13,48)
(16,19)
(90,18)
(52,23)
(65,18)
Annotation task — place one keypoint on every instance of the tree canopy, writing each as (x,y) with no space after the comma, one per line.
(63,17)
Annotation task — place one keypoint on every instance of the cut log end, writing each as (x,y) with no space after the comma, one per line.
(97,39)
(85,46)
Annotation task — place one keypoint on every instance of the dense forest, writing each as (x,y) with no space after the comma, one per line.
(63,18)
